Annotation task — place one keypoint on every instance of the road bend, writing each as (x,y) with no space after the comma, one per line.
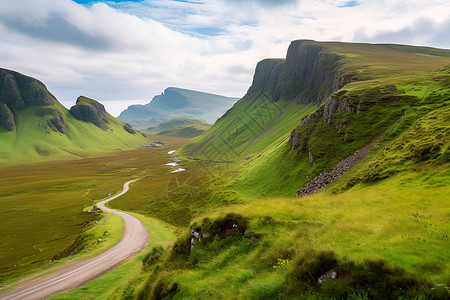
(134,239)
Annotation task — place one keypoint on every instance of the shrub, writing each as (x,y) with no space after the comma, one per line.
(373,279)
(152,256)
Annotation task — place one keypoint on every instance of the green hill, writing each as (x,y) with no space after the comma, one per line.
(360,134)
(179,128)
(34,125)
(177,103)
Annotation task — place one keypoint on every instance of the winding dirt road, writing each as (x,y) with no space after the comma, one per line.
(134,239)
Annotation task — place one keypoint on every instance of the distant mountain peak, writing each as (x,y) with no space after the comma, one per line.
(174,103)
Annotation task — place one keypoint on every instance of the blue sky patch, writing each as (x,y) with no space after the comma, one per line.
(350,4)
(105,1)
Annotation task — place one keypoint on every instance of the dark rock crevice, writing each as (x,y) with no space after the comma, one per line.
(6,118)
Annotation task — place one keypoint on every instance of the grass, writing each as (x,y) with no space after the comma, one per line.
(41,205)
(187,128)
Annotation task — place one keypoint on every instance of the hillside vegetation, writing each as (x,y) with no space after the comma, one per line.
(380,231)
(187,128)
(34,125)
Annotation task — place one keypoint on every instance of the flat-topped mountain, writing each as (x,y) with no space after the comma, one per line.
(187,128)
(177,103)
(34,124)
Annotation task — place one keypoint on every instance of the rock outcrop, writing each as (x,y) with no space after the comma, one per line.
(89,110)
(128,128)
(19,91)
(309,74)
(55,119)
(6,117)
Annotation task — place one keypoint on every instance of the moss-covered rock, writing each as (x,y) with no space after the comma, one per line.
(129,129)
(89,110)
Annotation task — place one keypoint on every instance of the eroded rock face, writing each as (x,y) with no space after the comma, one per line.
(57,123)
(19,91)
(308,75)
(89,110)
(6,117)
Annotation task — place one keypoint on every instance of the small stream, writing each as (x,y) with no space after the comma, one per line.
(175,162)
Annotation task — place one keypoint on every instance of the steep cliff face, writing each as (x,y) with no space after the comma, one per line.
(89,110)
(266,77)
(309,74)
(18,92)
(282,91)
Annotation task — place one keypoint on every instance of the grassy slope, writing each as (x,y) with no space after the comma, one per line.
(30,142)
(393,220)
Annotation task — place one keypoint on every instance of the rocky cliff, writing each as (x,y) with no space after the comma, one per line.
(18,92)
(89,110)
(309,74)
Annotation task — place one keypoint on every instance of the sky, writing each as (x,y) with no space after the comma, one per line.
(125,52)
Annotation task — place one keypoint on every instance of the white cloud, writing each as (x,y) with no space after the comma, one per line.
(135,50)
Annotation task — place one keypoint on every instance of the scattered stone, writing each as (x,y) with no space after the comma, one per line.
(327,177)
(95,209)
(331,274)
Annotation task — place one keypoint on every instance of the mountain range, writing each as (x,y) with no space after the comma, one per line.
(176,103)
(34,124)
